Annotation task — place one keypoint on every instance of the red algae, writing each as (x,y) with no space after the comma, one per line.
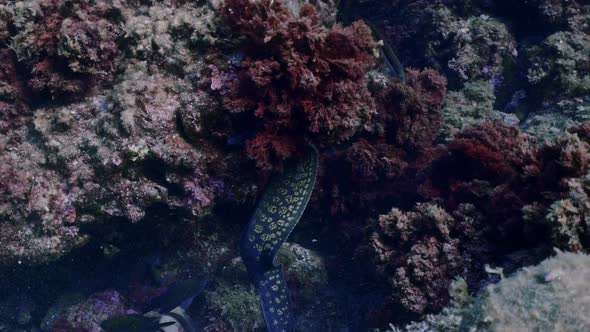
(298,78)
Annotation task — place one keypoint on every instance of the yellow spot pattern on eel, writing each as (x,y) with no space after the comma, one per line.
(278,211)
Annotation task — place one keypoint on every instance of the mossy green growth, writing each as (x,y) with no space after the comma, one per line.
(4,16)
(552,296)
(306,267)
(467,107)
(559,66)
(238,305)
(465,49)
(556,116)
(546,127)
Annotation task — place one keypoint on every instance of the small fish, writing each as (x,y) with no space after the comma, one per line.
(179,316)
(276,214)
(179,294)
(134,323)
(391,60)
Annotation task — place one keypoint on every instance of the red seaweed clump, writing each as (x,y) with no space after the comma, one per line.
(442,225)
(363,179)
(413,109)
(298,78)
(508,176)
(492,192)
(492,152)
(486,166)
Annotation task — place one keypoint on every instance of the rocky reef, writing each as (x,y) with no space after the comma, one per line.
(108,152)
(545,296)
(136,137)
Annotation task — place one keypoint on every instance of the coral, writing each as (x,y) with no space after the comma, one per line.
(557,14)
(548,126)
(295,79)
(406,124)
(580,21)
(546,297)
(489,192)
(268,146)
(516,193)
(166,32)
(559,66)
(493,150)
(460,42)
(105,159)
(467,107)
(326,9)
(305,271)
(353,181)
(551,185)
(481,165)
(238,305)
(4,16)
(582,131)
(358,181)
(88,314)
(493,153)
(14,110)
(414,109)
(569,218)
(492,186)
(66,46)
(556,162)
(480,47)
(29,192)
(420,252)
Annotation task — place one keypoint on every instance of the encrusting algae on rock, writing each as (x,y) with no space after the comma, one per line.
(550,296)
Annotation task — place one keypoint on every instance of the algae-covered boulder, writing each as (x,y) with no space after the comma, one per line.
(472,105)
(552,296)
(558,67)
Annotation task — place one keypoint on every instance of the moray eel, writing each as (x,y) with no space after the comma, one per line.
(278,211)
(391,60)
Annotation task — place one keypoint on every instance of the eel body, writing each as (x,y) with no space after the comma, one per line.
(278,211)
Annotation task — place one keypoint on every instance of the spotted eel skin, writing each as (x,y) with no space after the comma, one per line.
(276,214)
